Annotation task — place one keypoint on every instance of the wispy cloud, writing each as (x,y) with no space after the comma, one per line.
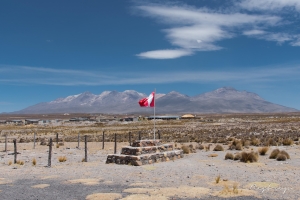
(165,54)
(199,29)
(269,5)
(63,77)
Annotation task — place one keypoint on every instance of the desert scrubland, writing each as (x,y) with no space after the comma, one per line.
(241,156)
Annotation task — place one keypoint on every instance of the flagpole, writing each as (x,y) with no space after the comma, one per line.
(154,111)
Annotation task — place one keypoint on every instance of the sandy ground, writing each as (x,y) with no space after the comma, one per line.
(192,177)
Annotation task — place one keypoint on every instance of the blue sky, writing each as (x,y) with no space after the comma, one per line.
(52,49)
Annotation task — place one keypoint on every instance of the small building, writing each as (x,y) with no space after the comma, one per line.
(16,122)
(31,121)
(188,116)
(164,117)
(3,121)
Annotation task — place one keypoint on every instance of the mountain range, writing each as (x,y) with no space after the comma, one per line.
(222,100)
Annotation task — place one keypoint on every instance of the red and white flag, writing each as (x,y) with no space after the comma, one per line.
(148,102)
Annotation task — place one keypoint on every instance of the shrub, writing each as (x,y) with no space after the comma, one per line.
(263,150)
(186,149)
(218,148)
(218,179)
(238,146)
(281,157)
(62,158)
(229,156)
(34,162)
(285,153)
(10,162)
(274,154)
(287,142)
(201,147)
(237,156)
(57,145)
(255,142)
(249,157)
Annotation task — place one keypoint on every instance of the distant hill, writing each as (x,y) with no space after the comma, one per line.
(222,100)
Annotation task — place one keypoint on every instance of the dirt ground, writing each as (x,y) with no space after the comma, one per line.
(192,177)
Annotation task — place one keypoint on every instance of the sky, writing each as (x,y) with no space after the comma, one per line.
(53,49)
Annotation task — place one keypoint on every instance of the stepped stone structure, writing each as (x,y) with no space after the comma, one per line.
(143,152)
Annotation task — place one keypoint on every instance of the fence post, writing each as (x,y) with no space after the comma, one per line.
(56,138)
(129,138)
(34,140)
(78,139)
(6,143)
(103,140)
(50,153)
(85,148)
(115,149)
(15,151)
(158,132)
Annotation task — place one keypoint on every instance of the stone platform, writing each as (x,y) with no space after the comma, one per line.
(143,152)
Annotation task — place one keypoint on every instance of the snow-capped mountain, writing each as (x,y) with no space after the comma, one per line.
(222,100)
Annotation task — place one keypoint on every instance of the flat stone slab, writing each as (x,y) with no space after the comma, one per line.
(146,143)
(144,159)
(129,150)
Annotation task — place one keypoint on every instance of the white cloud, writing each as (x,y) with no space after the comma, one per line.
(269,5)
(187,25)
(28,76)
(165,54)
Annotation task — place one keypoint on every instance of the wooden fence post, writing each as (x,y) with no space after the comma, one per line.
(103,140)
(158,132)
(56,138)
(34,140)
(15,151)
(6,143)
(115,149)
(129,138)
(78,139)
(50,153)
(85,148)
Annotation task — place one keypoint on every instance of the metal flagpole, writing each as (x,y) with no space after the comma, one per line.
(154,111)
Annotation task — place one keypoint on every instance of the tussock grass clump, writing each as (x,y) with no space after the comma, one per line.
(263,150)
(218,148)
(34,162)
(186,149)
(62,158)
(255,142)
(83,160)
(285,153)
(274,154)
(213,155)
(281,157)
(229,156)
(287,142)
(201,147)
(57,145)
(217,179)
(249,157)
(239,146)
(10,162)
(20,162)
(237,156)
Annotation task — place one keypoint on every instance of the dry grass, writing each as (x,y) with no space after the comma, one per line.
(62,158)
(274,154)
(217,179)
(237,156)
(34,162)
(239,146)
(186,149)
(201,147)
(287,142)
(213,155)
(263,150)
(57,145)
(285,153)
(218,148)
(235,188)
(83,160)
(281,157)
(229,156)
(249,157)
(10,162)
(20,162)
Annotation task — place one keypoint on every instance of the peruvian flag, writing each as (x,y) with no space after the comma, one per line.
(148,102)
